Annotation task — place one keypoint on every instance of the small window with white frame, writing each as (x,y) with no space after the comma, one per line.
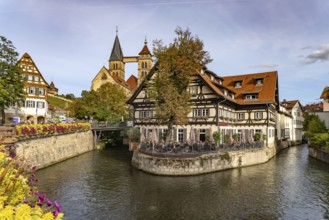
(258,115)
(30,104)
(193,90)
(238,84)
(259,82)
(251,97)
(240,116)
(201,112)
(146,114)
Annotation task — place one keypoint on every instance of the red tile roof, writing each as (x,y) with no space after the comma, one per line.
(132,82)
(145,51)
(266,91)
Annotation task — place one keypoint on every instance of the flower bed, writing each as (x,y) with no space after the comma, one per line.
(19,197)
(42,130)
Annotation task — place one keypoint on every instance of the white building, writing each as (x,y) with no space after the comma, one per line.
(294,124)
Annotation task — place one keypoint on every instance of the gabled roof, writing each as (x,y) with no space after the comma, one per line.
(290,104)
(27,56)
(324,93)
(132,82)
(266,92)
(116,54)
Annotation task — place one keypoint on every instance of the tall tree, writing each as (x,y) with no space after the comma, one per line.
(11,81)
(175,65)
(105,104)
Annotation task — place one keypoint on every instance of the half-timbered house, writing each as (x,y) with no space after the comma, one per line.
(238,106)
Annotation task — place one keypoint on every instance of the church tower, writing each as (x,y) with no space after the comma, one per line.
(116,64)
(145,62)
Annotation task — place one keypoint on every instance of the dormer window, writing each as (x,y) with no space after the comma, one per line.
(232,96)
(251,97)
(220,82)
(225,92)
(202,72)
(259,82)
(238,84)
(212,78)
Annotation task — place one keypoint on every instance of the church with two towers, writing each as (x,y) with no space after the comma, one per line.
(115,73)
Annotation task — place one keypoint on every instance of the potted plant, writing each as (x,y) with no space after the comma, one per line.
(134,137)
(216,135)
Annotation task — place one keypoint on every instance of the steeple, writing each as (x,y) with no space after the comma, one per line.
(145,50)
(116,54)
(145,62)
(116,64)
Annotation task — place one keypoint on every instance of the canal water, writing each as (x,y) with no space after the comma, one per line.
(103,185)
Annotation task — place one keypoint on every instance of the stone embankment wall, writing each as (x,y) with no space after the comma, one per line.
(205,163)
(318,154)
(46,151)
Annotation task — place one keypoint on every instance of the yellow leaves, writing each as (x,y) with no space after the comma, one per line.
(7,213)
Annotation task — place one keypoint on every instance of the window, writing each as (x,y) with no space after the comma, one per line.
(238,84)
(40,104)
(39,91)
(225,92)
(251,97)
(181,135)
(29,78)
(193,90)
(31,90)
(241,116)
(201,112)
(146,114)
(259,82)
(258,115)
(212,78)
(36,78)
(30,104)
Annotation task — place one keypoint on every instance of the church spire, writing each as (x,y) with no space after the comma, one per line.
(116,54)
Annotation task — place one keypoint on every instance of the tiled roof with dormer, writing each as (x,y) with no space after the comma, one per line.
(266,91)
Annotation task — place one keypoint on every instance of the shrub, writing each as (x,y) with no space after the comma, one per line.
(134,134)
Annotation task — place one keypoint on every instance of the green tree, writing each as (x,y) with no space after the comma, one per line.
(175,65)
(105,104)
(11,81)
(111,103)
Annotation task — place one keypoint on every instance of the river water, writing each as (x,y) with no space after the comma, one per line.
(103,185)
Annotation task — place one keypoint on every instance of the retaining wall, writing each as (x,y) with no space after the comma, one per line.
(319,154)
(46,151)
(205,163)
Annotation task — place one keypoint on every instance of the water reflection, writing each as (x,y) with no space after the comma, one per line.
(103,185)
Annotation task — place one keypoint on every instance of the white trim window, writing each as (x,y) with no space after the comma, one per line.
(251,97)
(241,116)
(201,112)
(258,115)
(40,104)
(146,114)
(259,82)
(193,90)
(31,90)
(30,104)
(29,77)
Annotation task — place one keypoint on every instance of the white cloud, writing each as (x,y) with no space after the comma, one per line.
(321,54)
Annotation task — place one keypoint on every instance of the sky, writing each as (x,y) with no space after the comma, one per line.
(70,40)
